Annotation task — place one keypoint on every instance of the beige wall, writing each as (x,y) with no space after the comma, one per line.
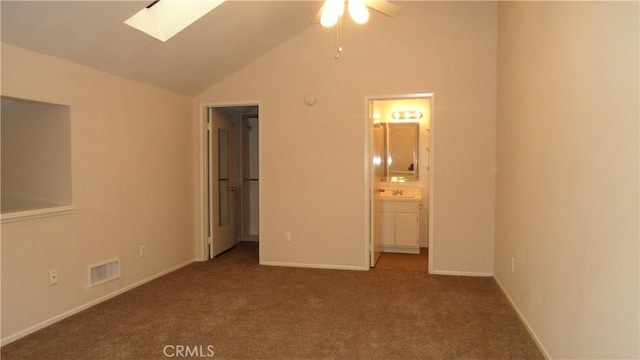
(313,158)
(132,184)
(567,185)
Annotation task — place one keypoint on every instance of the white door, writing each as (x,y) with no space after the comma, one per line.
(376,176)
(220,220)
(376,224)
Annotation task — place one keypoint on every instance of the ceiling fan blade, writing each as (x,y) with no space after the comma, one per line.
(383,6)
(316,19)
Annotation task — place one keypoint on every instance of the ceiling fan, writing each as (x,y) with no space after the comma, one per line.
(331,13)
(332,10)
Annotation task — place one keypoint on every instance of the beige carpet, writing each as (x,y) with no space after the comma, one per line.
(233,308)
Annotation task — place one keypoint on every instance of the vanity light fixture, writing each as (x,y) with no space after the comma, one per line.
(406,115)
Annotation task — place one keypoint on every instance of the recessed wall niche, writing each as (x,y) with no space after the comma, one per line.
(35,159)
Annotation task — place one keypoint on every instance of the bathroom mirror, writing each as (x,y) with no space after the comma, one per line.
(396,151)
(400,138)
(402,152)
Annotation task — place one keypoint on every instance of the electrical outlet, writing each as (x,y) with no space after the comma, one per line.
(143,250)
(53,277)
(287,236)
(513,264)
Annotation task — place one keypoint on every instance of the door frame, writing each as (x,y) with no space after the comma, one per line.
(202,253)
(369,183)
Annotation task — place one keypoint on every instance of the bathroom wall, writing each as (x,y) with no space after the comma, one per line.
(568,174)
(132,184)
(313,174)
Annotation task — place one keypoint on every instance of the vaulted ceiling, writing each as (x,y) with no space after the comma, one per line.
(93,33)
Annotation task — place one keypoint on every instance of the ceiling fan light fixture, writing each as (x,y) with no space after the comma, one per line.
(328,20)
(331,12)
(358,11)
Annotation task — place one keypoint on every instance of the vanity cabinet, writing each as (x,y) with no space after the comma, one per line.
(401,226)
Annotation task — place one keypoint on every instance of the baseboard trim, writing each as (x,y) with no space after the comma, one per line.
(400,249)
(536,340)
(41,325)
(314,266)
(462,273)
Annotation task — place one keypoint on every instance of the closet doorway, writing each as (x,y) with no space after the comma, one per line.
(248,152)
(230,177)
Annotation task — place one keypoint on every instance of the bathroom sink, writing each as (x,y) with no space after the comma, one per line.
(398,197)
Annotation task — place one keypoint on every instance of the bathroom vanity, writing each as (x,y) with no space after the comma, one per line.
(400,224)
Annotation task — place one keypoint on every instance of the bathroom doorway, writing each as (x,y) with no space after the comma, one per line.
(401,180)
(230,177)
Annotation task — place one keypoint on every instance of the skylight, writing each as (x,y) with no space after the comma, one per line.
(162,19)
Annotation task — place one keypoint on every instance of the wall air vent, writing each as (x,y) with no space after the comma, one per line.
(104,271)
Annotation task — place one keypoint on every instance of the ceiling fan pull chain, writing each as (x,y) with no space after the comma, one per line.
(338,33)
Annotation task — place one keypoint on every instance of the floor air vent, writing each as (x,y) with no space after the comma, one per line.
(103,272)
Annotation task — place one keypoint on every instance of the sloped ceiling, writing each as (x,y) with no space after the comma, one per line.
(93,33)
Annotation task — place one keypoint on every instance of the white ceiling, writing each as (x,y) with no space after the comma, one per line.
(93,33)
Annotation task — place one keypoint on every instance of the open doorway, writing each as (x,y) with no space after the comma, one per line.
(401,180)
(229,177)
